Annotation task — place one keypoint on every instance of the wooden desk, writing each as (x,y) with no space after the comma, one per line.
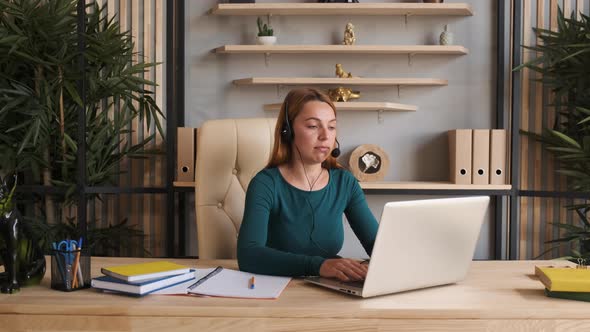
(496,296)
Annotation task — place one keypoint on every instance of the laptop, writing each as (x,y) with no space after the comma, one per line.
(419,244)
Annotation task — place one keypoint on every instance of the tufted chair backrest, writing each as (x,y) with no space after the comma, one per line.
(229,153)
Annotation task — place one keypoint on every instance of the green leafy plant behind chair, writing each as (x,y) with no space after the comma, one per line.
(39,101)
(564,65)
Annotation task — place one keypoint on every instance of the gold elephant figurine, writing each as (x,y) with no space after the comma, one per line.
(343,94)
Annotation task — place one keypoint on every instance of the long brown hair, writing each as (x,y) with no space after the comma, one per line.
(296,99)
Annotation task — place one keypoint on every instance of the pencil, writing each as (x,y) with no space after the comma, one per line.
(252,283)
(75,269)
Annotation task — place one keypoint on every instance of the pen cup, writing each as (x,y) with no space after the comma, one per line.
(70,269)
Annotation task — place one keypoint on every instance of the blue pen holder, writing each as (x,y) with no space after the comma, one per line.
(70,269)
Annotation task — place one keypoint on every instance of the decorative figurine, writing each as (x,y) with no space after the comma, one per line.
(341,73)
(369,162)
(21,267)
(343,94)
(349,37)
(446,37)
(9,226)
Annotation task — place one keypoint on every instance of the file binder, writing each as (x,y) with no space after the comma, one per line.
(460,156)
(498,156)
(481,156)
(185,154)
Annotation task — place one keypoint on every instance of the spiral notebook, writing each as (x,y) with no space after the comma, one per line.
(231,283)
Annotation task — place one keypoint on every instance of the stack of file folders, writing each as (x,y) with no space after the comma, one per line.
(565,282)
(142,278)
(477,156)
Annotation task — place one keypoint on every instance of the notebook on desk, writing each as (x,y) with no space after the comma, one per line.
(231,283)
(419,244)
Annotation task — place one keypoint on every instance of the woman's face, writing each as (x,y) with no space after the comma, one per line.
(315,132)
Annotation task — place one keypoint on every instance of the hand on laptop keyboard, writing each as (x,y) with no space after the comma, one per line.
(344,269)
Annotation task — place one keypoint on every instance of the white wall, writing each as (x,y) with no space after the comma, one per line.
(415,142)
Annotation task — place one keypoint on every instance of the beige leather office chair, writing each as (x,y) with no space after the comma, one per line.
(229,153)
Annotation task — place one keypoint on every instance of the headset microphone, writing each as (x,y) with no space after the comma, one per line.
(336,152)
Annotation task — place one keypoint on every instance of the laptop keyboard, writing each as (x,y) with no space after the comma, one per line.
(358,284)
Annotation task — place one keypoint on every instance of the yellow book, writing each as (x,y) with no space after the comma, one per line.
(134,273)
(564,279)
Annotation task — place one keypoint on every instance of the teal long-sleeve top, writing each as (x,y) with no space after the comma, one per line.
(290,232)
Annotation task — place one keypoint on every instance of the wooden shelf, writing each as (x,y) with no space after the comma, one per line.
(373,9)
(431,186)
(183,184)
(408,186)
(344,49)
(360,106)
(339,81)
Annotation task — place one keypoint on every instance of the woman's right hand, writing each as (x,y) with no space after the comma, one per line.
(345,269)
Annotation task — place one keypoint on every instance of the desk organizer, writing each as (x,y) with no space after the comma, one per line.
(70,269)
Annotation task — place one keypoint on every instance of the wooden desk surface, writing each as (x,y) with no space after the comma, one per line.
(496,295)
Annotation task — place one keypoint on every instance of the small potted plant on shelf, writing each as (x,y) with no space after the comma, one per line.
(265,34)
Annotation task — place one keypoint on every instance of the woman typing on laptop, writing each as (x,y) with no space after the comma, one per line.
(292,223)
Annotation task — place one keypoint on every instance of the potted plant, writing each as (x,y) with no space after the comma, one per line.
(564,64)
(265,34)
(39,102)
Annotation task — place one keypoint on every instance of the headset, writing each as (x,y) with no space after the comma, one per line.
(287,135)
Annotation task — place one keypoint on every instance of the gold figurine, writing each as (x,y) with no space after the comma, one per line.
(349,37)
(343,94)
(341,73)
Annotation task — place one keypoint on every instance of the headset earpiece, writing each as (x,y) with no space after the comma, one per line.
(286,131)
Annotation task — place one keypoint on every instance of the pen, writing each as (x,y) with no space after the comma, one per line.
(80,277)
(209,275)
(251,284)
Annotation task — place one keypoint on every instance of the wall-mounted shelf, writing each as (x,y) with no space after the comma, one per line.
(340,81)
(360,106)
(431,186)
(183,184)
(411,185)
(401,9)
(344,49)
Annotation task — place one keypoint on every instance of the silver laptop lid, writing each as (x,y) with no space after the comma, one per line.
(424,243)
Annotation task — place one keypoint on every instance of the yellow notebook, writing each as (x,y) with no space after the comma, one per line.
(564,279)
(139,272)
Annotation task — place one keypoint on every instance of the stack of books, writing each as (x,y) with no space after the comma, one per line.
(565,282)
(142,278)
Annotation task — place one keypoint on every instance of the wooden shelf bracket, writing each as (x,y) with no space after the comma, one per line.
(267,59)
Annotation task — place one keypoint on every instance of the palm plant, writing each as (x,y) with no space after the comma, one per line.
(39,100)
(564,65)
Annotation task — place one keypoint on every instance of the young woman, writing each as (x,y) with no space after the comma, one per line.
(292,223)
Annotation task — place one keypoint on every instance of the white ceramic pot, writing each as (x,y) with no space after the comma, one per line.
(266,40)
